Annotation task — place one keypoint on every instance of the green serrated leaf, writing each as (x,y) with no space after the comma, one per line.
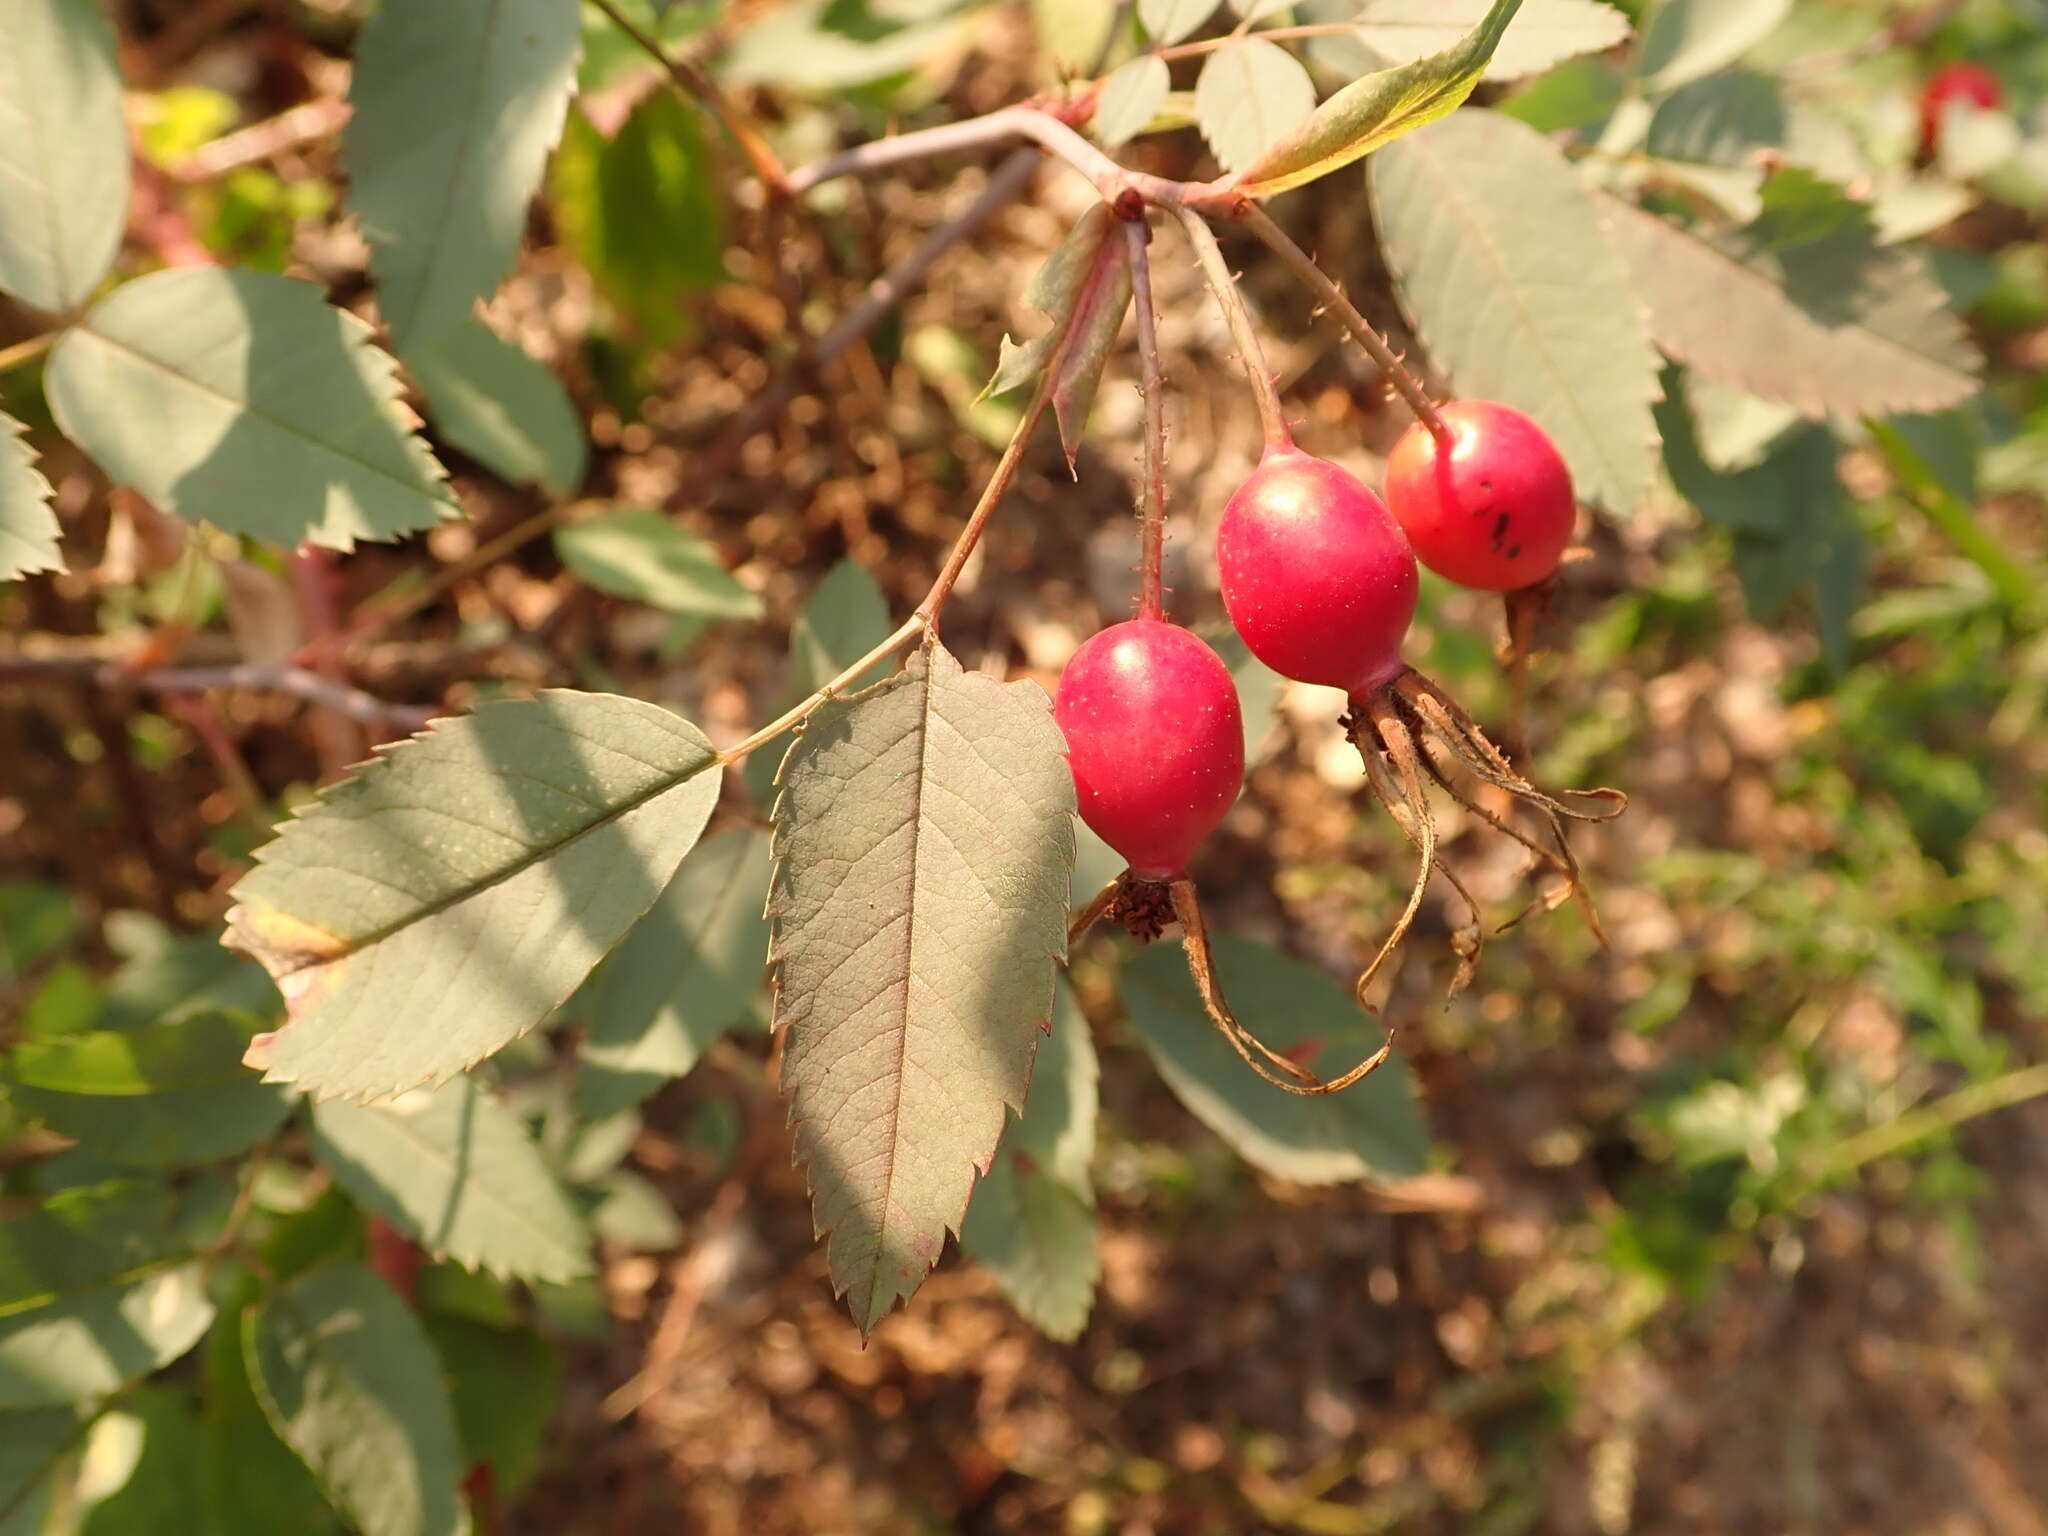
(165,979)
(923,841)
(455,1170)
(643,211)
(169,1095)
(1071,33)
(63,151)
(453,894)
(1032,1221)
(1373,1130)
(348,1380)
(95,1291)
(1684,40)
(502,407)
(245,400)
(1496,245)
(1735,429)
(690,970)
(34,1444)
(632,1214)
(1168,21)
(503,1385)
(1724,119)
(1805,308)
(642,556)
(28,526)
(1378,109)
(1131,98)
(455,106)
(1250,95)
(255,1484)
(1037,1237)
(1544,33)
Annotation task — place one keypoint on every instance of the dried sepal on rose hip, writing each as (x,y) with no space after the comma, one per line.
(1321,583)
(1155,739)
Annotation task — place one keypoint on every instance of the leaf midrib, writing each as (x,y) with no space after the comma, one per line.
(439,495)
(440,904)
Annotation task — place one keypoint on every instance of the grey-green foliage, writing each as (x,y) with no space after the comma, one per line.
(1250,93)
(245,400)
(28,527)
(95,1291)
(457,1171)
(923,842)
(170,1094)
(1684,40)
(1793,523)
(1032,1219)
(1373,1130)
(63,151)
(1803,307)
(455,107)
(452,895)
(1543,33)
(640,554)
(348,1380)
(690,969)
(1518,295)
(1130,98)
(504,409)
(34,1443)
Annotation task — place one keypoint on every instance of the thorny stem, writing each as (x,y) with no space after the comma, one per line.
(1303,266)
(1242,331)
(1152,565)
(705,91)
(925,619)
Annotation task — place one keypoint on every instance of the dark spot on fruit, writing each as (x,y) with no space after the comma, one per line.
(1514,551)
(1500,529)
(1486,485)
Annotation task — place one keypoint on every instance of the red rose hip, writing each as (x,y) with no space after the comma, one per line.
(1495,511)
(1155,739)
(1316,574)
(1957,85)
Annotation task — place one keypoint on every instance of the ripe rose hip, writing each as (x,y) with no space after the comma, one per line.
(1155,739)
(1957,84)
(1316,573)
(1495,512)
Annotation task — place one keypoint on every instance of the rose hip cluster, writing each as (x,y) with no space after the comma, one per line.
(1319,578)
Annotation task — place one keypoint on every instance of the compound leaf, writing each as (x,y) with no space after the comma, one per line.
(28,527)
(1379,108)
(453,894)
(1684,40)
(1131,98)
(245,400)
(502,407)
(1497,244)
(1373,1130)
(456,105)
(349,1381)
(923,841)
(63,151)
(1168,21)
(172,1093)
(457,1171)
